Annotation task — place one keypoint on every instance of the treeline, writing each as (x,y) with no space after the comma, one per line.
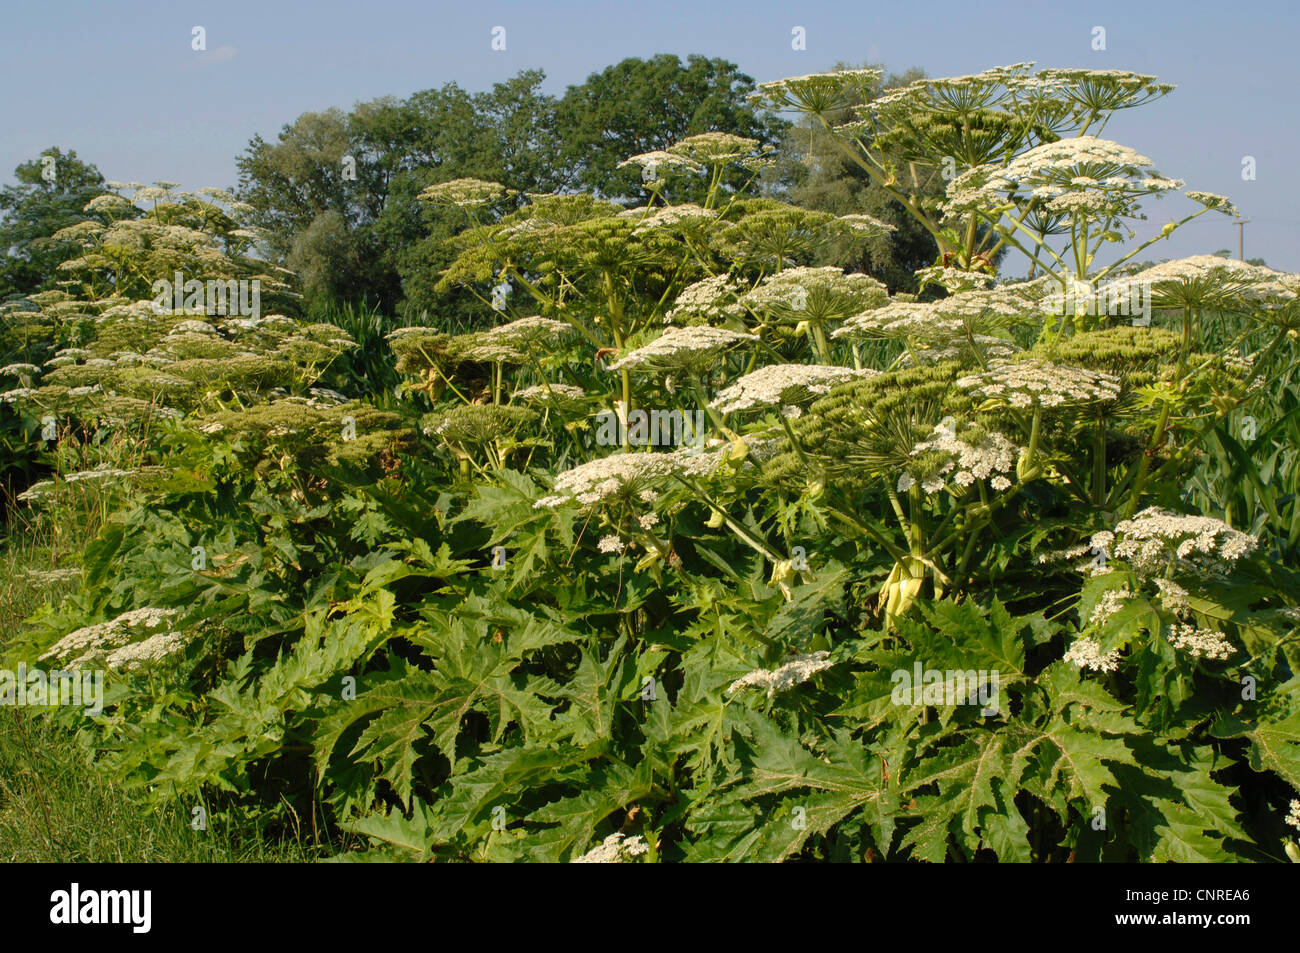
(335,193)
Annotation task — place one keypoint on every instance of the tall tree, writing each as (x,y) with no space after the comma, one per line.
(638,106)
(51,193)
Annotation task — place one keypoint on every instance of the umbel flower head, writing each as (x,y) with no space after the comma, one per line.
(947,460)
(550,393)
(1206,281)
(684,349)
(779,385)
(714,148)
(799,669)
(124,642)
(466,193)
(1080,176)
(1035,383)
(477,424)
(705,301)
(623,476)
(819,93)
(1086,653)
(654,165)
(1156,539)
(1198,643)
(688,216)
(959,316)
(814,294)
(614,849)
(529,331)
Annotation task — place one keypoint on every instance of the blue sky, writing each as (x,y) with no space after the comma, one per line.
(120,83)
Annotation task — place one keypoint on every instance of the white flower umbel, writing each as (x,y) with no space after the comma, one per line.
(1079,176)
(693,349)
(782,384)
(1037,383)
(814,294)
(1205,281)
(1173,597)
(19,370)
(530,330)
(1111,601)
(550,392)
(135,654)
(611,544)
(465,193)
(712,148)
(819,92)
(859,222)
(710,299)
(1294,817)
(949,460)
(106,637)
(1212,200)
(1086,653)
(657,162)
(620,474)
(1155,538)
(1198,643)
(614,849)
(672,215)
(799,669)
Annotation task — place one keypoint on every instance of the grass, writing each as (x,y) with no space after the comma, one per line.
(54,805)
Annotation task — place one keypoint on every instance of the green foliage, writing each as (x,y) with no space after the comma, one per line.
(974,578)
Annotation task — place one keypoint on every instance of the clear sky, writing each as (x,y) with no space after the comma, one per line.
(119,82)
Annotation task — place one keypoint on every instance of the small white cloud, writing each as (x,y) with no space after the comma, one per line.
(222,54)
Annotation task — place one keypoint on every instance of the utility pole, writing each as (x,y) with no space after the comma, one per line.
(1241,224)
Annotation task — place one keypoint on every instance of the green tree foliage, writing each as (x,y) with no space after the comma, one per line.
(48,196)
(369,236)
(638,106)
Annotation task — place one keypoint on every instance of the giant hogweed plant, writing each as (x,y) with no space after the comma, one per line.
(540,639)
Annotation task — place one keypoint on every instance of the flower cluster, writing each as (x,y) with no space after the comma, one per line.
(1155,537)
(530,330)
(1080,176)
(689,349)
(1206,281)
(1086,653)
(671,215)
(653,163)
(611,544)
(711,148)
(1198,643)
(799,669)
(614,849)
(1111,601)
(859,222)
(621,474)
(976,455)
(816,294)
(477,424)
(550,392)
(710,299)
(465,193)
(778,385)
(112,641)
(1041,384)
(1173,597)
(819,92)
